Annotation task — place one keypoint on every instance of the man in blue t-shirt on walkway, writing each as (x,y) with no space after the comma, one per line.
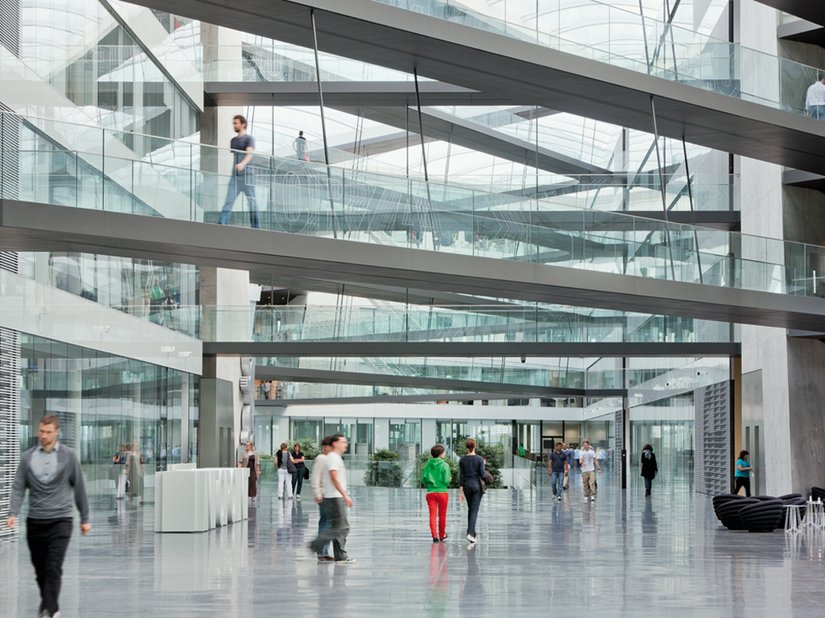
(557,466)
(243,176)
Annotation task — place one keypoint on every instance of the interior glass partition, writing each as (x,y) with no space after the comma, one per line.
(668,426)
(108,405)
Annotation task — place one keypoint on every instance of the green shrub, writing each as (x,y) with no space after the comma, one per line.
(310,449)
(383,470)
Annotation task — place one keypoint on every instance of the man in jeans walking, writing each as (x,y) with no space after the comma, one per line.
(335,502)
(243,175)
(588,463)
(317,482)
(558,468)
(51,472)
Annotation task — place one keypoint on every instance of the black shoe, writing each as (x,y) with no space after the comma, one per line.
(435,539)
(443,538)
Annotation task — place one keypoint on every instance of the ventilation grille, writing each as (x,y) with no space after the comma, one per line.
(712,465)
(9,415)
(618,441)
(10,146)
(10,25)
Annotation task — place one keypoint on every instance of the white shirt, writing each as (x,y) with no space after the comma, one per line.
(316,479)
(334,462)
(588,458)
(815,95)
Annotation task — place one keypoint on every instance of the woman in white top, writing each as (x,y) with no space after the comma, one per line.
(250,460)
(285,465)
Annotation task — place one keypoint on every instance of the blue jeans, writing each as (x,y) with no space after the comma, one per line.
(337,531)
(648,485)
(557,483)
(324,523)
(817,111)
(240,183)
(472,493)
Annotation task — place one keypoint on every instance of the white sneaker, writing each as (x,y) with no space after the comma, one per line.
(472,539)
(592,498)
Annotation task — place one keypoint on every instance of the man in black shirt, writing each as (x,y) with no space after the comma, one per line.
(243,177)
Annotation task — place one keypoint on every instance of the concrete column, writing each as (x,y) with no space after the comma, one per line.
(222,288)
(781,402)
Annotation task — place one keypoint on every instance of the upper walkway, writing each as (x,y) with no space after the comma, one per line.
(710,92)
(644,266)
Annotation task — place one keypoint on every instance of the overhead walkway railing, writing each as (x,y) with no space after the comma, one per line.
(450,374)
(314,323)
(632,41)
(349,205)
(662,374)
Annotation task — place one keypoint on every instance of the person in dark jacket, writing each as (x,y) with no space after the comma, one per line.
(649,468)
(300,470)
(471,475)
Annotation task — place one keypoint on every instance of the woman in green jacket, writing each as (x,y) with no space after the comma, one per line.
(436,478)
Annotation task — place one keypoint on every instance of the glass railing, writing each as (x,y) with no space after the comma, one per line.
(275,61)
(311,199)
(481,323)
(554,373)
(557,373)
(630,41)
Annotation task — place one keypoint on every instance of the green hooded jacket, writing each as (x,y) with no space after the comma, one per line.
(436,475)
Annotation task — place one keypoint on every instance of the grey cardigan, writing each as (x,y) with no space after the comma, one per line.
(52,500)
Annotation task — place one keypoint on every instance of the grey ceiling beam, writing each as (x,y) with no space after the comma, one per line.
(804,180)
(427,398)
(810,10)
(344,93)
(529,74)
(802,31)
(28,226)
(469,134)
(465,349)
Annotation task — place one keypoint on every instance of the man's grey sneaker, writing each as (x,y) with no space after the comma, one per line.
(472,539)
(347,561)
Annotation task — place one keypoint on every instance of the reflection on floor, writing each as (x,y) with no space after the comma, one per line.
(622,556)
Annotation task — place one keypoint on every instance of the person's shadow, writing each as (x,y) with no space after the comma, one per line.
(650,525)
(472,592)
(331,584)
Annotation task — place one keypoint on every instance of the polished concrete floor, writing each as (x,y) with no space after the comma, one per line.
(622,556)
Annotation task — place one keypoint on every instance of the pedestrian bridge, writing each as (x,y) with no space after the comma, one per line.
(703,90)
(86,200)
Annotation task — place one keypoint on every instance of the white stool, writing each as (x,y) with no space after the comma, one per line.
(815,516)
(793,518)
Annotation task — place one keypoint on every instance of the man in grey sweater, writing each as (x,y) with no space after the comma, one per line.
(51,472)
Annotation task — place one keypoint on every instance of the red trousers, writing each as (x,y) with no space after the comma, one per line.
(438,514)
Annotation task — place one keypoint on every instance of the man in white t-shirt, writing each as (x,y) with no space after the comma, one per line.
(815,99)
(589,464)
(335,502)
(316,480)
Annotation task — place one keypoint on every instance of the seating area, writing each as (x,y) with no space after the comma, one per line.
(755,514)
